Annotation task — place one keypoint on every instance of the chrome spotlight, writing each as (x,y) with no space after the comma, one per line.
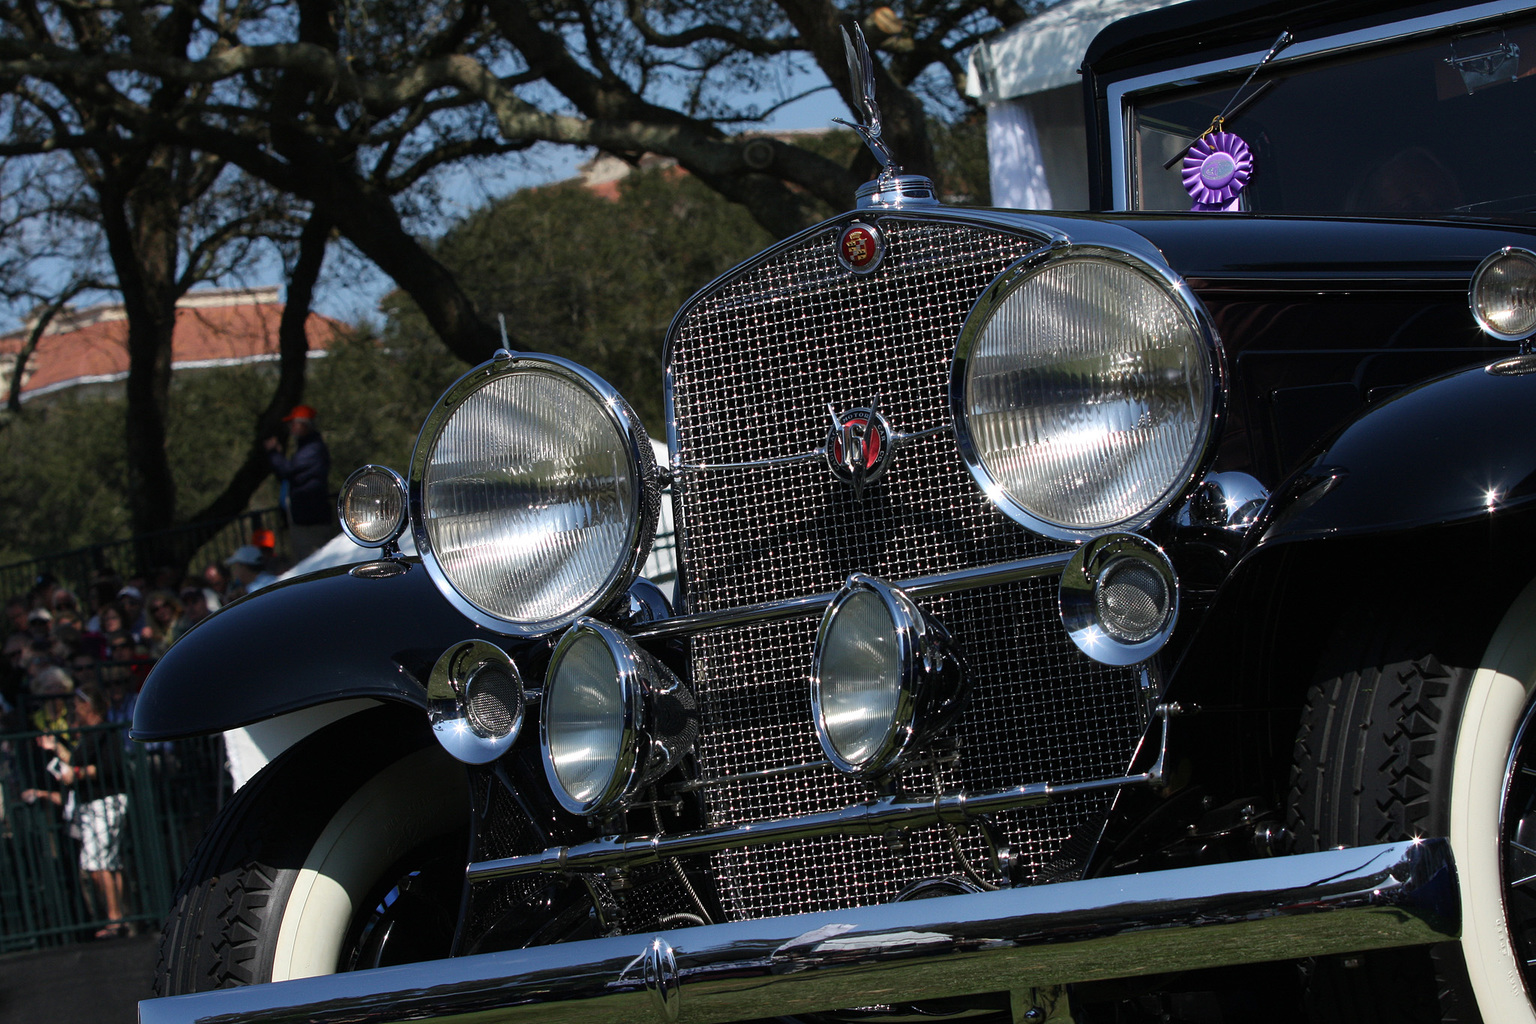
(1119,599)
(371,507)
(475,701)
(884,679)
(1503,294)
(612,720)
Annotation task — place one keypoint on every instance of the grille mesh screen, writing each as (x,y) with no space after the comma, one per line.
(753,368)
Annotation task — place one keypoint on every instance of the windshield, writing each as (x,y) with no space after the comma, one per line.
(1428,128)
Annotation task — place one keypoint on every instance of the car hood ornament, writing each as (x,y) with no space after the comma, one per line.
(891,188)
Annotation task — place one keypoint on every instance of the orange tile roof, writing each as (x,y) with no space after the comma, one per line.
(213,328)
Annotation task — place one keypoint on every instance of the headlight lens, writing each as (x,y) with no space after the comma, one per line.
(371,506)
(1503,294)
(885,679)
(614,719)
(536,494)
(1083,391)
(857,679)
(588,723)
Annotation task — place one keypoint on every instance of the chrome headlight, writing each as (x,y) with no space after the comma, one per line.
(1119,599)
(1083,391)
(612,719)
(534,494)
(883,680)
(1503,294)
(371,506)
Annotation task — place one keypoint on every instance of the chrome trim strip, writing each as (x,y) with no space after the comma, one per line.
(1118,95)
(876,816)
(815,604)
(1315,904)
(811,456)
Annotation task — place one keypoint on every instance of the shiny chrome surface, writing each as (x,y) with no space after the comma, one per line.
(1122,95)
(929,681)
(936,585)
(991,303)
(1082,587)
(1247,912)
(449,694)
(394,480)
(891,189)
(642,514)
(764,544)
(1225,501)
(877,816)
(641,752)
(1477,299)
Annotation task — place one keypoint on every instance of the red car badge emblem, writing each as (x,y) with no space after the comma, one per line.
(861,247)
(859,446)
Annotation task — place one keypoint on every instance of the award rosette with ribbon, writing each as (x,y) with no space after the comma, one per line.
(1216,169)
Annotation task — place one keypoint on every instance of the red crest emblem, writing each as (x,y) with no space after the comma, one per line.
(861,247)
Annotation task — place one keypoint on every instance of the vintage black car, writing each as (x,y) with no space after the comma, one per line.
(1116,616)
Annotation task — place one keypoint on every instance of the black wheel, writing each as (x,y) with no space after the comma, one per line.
(345,852)
(1407,743)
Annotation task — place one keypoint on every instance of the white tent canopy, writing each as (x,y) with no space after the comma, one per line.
(1028,78)
(1045,51)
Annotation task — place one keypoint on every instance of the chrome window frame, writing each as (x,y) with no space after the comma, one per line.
(1120,96)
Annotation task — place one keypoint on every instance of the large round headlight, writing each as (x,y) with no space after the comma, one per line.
(1083,391)
(534,494)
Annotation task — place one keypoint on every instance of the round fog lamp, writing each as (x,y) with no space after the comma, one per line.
(1119,599)
(1503,294)
(371,506)
(613,719)
(882,677)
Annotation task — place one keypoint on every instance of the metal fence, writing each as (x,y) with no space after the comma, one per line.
(142,555)
(47,895)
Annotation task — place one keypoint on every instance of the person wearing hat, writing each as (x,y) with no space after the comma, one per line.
(248,568)
(306,477)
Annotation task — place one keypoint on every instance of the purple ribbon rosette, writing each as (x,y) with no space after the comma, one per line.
(1216,168)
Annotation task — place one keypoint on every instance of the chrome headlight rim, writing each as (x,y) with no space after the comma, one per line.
(908,628)
(1474,287)
(397,481)
(1209,417)
(629,674)
(642,514)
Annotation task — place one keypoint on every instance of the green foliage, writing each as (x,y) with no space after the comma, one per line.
(371,400)
(964,176)
(591,278)
(63,479)
(64,482)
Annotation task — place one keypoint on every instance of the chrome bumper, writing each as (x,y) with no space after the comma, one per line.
(1016,940)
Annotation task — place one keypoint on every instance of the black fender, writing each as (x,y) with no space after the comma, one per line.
(337,634)
(1424,506)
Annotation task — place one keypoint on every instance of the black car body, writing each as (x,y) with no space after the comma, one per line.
(1072,610)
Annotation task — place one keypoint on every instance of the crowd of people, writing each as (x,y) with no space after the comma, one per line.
(74,662)
(69,679)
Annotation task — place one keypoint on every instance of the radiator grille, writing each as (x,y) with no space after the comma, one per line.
(753,367)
